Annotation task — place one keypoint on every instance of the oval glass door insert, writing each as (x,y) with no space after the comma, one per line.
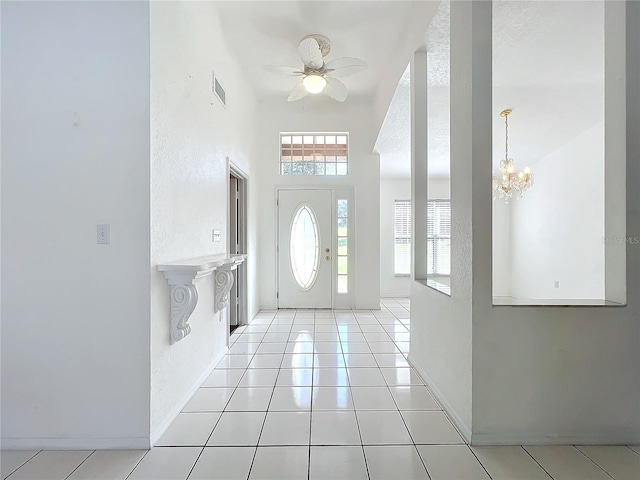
(304,250)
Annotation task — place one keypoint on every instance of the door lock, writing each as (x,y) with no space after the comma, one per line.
(326,250)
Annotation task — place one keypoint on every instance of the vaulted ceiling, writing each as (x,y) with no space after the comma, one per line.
(547,67)
(268,32)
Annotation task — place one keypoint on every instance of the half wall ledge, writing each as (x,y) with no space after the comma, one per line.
(182,277)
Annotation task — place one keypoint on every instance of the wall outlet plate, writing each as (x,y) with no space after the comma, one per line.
(104,234)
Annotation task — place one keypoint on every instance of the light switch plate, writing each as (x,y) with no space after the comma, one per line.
(104,234)
(216,235)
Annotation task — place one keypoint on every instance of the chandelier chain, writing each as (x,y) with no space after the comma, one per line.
(506,137)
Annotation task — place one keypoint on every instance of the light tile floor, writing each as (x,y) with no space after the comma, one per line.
(324,394)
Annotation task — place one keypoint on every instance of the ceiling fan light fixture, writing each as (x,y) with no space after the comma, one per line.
(314,83)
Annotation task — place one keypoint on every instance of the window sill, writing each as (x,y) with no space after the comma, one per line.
(435,285)
(552,302)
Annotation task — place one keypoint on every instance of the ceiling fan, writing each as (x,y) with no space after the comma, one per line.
(318,76)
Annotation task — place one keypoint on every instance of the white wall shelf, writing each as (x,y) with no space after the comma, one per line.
(183,276)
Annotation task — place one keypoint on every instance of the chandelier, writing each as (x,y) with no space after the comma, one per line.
(509,181)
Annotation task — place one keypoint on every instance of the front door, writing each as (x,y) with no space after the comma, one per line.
(304,249)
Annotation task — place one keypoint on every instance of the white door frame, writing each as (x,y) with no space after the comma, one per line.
(241,281)
(337,193)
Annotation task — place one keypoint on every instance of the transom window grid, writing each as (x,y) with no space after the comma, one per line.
(343,246)
(314,154)
(402,237)
(439,237)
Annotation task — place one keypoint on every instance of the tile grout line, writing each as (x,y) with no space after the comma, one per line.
(197,459)
(23,464)
(593,461)
(413,442)
(535,460)
(355,412)
(478,460)
(629,447)
(313,362)
(137,463)
(80,464)
(224,409)
(255,452)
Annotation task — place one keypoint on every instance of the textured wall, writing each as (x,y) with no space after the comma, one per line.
(192,138)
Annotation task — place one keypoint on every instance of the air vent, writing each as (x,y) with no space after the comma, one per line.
(219,91)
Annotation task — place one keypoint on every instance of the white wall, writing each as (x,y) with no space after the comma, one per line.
(501,249)
(441,327)
(75,153)
(536,374)
(192,136)
(320,114)
(556,231)
(567,375)
(558,228)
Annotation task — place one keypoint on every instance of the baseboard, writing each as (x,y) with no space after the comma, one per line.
(155,435)
(486,439)
(394,295)
(126,443)
(462,427)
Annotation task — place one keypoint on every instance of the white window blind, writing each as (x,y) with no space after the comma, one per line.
(402,237)
(439,237)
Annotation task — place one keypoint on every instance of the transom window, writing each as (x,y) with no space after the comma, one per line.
(314,154)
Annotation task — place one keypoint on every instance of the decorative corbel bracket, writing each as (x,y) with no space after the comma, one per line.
(224,282)
(183,302)
(182,278)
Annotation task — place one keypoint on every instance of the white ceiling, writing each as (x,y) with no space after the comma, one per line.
(267,33)
(547,67)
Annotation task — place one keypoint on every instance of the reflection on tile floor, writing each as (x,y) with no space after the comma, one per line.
(321,394)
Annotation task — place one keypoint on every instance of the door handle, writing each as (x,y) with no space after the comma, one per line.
(327,257)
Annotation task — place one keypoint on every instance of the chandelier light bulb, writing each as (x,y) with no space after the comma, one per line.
(527,170)
(510,169)
(314,83)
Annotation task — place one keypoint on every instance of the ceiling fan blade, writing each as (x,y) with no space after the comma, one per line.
(336,89)
(297,93)
(310,54)
(282,70)
(341,67)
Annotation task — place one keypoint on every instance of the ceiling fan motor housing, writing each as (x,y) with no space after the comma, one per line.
(323,43)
